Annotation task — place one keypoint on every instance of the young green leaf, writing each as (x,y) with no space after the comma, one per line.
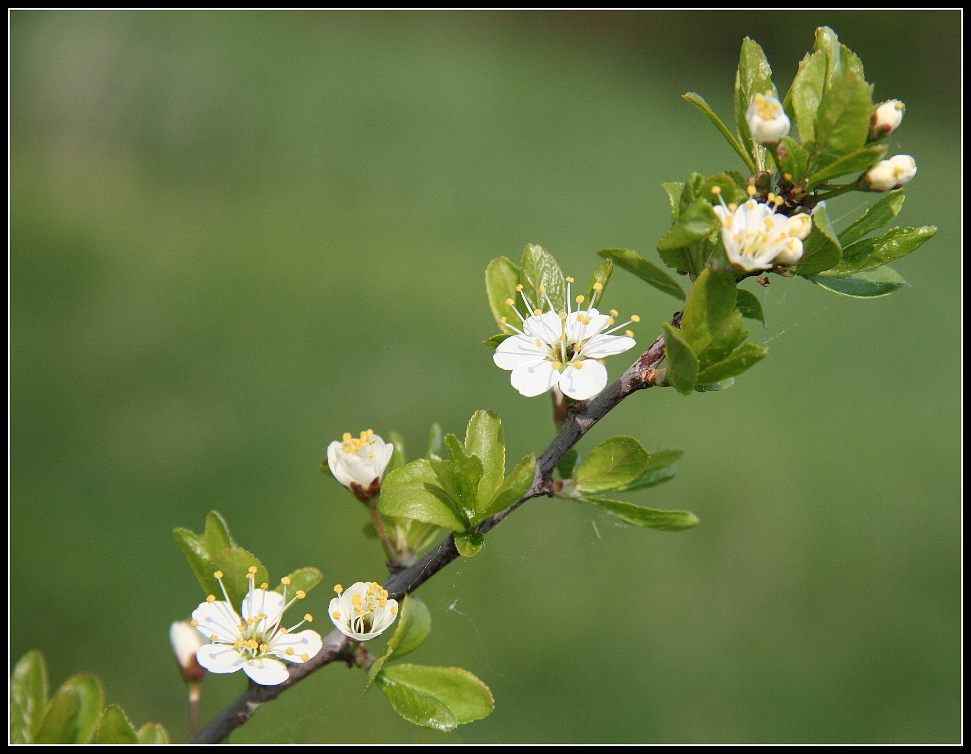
(303,579)
(512,488)
(682,362)
(878,215)
(539,269)
(749,305)
(843,118)
(806,93)
(699,102)
(566,465)
(28,697)
(696,223)
(600,276)
(793,159)
(414,626)
(822,249)
(217,536)
(659,469)
(647,517)
(153,733)
(494,340)
(613,463)
(72,713)
(880,281)
(646,271)
(459,476)
(484,439)
(413,491)
(114,727)
(469,545)
(709,304)
(437,698)
(715,387)
(673,190)
(436,446)
(501,278)
(235,563)
(201,549)
(874,252)
(741,361)
(398,454)
(729,336)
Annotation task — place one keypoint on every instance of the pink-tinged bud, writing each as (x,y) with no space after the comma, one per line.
(886,119)
(892,173)
(186,641)
(766,120)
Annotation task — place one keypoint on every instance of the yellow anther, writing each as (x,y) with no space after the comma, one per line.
(570,280)
(613,312)
(509,302)
(541,290)
(557,364)
(629,333)
(634,318)
(579,299)
(751,191)
(304,657)
(262,647)
(338,588)
(561,315)
(346,437)
(264,585)
(211,598)
(716,190)
(237,644)
(289,651)
(218,574)
(213,638)
(309,618)
(519,287)
(336,615)
(384,594)
(732,207)
(502,321)
(285,580)
(787,176)
(598,286)
(578,364)
(194,623)
(394,609)
(537,312)
(251,569)
(301,594)
(538,342)
(610,320)
(251,576)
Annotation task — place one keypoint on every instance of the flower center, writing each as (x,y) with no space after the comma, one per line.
(353,446)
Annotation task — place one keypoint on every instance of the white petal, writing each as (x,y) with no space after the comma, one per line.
(546,327)
(515,350)
(607,345)
(584,382)
(217,619)
(360,469)
(335,461)
(185,642)
(261,601)
(266,671)
(302,643)
(532,379)
(220,658)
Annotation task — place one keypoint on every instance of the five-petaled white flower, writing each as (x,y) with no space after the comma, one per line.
(767,122)
(359,462)
(561,348)
(892,173)
(757,238)
(363,611)
(886,118)
(255,642)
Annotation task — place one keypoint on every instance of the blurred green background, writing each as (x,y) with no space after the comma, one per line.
(235,236)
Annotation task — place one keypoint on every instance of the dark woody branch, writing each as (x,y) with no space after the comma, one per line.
(643,373)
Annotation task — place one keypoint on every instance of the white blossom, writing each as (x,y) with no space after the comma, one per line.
(255,641)
(892,173)
(363,611)
(886,119)
(359,462)
(767,122)
(756,237)
(561,348)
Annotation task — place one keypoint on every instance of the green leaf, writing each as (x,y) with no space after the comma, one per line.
(673,190)
(72,714)
(512,488)
(501,278)
(28,697)
(414,626)
(876,252)
(601,275)
(843,119)
(438,698)
(793,159)
(699,102)
(153,733)
(855,162)
(646,271)
(398,454)
(730,336)
(566,465)
(484,439)
(613,463)
(881,281)
(539,269)
(709,304)
(494,340)
(682,362)
(878,215)
(742,360)
(749,305)
(114,727)
(469,545)
(648,517)
(806,93)
(436,446)
(726,186)
(754,77)
(659,469)
(413,492)
(827,43)
(217,536)
(715,387)
(822,249)
(235,563)
(303,579)
(696,223)
(459,476)
(201,549)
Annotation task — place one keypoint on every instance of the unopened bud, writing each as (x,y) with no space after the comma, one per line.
(886,119)
(892,173)
(766,120)
(186,641)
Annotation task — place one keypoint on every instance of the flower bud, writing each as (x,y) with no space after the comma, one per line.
(766,120)
(359,463)
(800,226)
(185,643)
(886,119)
(892,173)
